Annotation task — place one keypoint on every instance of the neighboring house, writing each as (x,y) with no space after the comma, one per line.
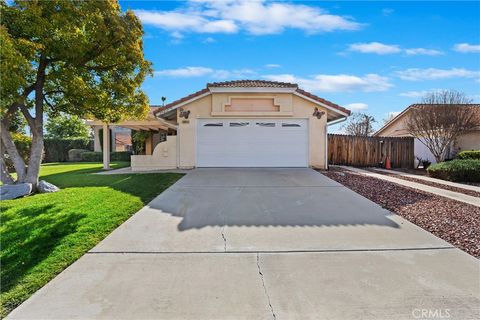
(122,138)
(397,128)
(245,123)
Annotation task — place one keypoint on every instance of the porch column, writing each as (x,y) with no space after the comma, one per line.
(148,145)
(114,144)
(106,147)
(97,146)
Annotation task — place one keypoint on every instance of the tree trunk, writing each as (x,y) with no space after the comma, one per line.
(13,154)
(36,149)
(5,176)
(36,152)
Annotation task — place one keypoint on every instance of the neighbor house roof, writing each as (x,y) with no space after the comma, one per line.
(475,109)
(252,84)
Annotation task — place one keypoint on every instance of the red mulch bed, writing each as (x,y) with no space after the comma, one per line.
(432,184)
(455,222)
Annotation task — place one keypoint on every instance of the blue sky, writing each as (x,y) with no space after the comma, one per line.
(373,57)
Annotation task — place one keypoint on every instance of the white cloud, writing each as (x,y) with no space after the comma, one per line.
(357,106)
(209,40)
(272,65)
(178,22)
(387,11)
(337,82)
(422,51)
(415,74)
(374,47)
(466,47)
(418,94)
(192,72)
(414,94)
(187,72)
(253,16)
(382,49)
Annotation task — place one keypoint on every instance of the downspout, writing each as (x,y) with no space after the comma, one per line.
(178,146)
(326,137)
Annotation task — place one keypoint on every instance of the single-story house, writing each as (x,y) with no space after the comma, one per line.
(396,127)
(244,123)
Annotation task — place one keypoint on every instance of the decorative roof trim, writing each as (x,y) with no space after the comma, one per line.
(252,89)
(320,101)
(252,84)
(321,104)
(183,101)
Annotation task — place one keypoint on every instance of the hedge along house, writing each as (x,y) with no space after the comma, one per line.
(244,123)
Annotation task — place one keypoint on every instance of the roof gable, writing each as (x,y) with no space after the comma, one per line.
(262,85)
(475,109)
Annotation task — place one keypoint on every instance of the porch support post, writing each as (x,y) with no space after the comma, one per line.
(148,145)
(106,147)
(113,135)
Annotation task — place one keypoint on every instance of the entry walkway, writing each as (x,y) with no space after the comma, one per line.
(430,179)
(437,191)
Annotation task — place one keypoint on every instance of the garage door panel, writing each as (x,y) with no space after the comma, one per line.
(252,143)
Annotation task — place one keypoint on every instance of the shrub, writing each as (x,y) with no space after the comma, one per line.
(75,154)
(469,154)
(120,156)
(56,150)
(91,156)
(456,170)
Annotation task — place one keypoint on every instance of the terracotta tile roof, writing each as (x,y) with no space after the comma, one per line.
(190,96)
(321,100)
(123,138)
(252,84)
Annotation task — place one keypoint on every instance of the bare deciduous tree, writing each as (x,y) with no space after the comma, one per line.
(441,117)
(359,124)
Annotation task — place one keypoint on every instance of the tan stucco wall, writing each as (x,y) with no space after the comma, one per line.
(291,107)
(396,128)
(164,156)
(469,141)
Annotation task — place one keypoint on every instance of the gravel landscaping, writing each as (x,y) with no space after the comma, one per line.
(429,183)
(454,221)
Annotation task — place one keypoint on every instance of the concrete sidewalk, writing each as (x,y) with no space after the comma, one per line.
(262,244)
(128,170)
(430,179)
(437,191)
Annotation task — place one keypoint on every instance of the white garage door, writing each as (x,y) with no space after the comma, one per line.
(252,143)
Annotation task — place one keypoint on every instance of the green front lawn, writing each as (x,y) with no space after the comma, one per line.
(43,234)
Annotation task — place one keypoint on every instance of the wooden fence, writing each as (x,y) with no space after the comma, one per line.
(370,151)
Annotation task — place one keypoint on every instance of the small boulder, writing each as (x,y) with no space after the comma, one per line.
(13,191)
(45,187)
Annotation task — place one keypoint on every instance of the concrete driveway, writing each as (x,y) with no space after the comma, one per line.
(263,244)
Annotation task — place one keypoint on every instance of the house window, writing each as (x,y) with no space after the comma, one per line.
(266,124)
(218,124)
(290,125)
(238,124)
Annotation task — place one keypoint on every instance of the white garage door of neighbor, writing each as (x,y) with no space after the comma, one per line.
(252,143)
